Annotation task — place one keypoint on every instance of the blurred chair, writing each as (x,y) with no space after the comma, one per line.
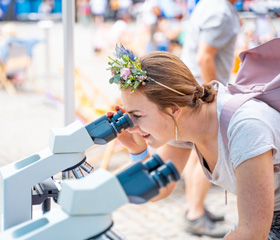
(15,60)
(91,105)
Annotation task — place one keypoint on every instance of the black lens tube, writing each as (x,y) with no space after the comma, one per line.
(165,174)
(153,163)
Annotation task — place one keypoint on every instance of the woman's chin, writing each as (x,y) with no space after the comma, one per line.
(154,144)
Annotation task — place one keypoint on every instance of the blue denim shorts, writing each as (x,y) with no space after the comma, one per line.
(274,233)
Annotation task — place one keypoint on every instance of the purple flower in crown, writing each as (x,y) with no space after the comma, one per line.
(121,51)
(125,73)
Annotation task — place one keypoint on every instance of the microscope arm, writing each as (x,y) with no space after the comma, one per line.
(66,150)
(87,204)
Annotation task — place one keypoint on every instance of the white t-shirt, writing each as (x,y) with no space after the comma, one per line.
(253,130)
(98,7)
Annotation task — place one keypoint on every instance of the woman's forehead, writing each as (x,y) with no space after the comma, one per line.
(135,101)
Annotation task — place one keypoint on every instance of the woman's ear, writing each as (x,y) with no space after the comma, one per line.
(176,111)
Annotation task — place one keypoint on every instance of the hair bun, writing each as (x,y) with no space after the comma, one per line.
(207,93)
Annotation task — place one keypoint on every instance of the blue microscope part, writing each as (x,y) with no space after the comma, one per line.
(105,129)
(142,181)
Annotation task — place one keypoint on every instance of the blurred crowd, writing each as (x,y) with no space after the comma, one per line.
(142,25)
(150,25)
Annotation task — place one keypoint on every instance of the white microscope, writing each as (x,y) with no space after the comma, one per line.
(86,204)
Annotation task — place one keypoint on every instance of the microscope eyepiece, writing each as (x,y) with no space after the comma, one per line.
(120,121)
(142,181)
(117,115)
(165,174)
(105,129)
(153,163)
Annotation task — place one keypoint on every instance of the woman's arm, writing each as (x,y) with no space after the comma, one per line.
(255,198)
(206,60)
(179,157)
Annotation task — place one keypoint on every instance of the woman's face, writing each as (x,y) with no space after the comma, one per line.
(155,126)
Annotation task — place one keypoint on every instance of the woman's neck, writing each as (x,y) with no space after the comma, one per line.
(200,127)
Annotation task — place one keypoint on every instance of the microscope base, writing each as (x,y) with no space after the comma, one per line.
(59,225)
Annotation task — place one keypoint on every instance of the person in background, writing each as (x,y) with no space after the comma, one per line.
(208,51)
(84,12)
(150,14)
(46,7)
(98,11)
(114,7)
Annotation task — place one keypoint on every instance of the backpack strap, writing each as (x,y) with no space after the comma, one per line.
(229,109)
(259,77)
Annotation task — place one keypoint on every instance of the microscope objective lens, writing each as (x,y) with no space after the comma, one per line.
(78,173)
(114,234)
(66,175)
(103,237)
(87,167)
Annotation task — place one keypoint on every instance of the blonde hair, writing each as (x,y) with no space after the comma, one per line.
(169,70)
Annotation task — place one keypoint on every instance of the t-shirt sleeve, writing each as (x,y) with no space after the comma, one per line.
(216,30)
(249,138)
(181,144)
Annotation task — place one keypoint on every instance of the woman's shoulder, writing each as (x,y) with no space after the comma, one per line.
(256,109)
(255,117)
(253,130)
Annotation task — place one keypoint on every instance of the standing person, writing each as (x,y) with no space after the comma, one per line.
(168,109)
(114,7)
(98,11)
(209,53)
(124,9)
(150,14)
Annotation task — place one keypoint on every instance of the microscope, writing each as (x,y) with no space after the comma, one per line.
(85,203)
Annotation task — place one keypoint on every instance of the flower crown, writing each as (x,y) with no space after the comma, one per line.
(126,69)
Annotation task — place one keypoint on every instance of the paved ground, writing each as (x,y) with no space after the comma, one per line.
(27,117)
